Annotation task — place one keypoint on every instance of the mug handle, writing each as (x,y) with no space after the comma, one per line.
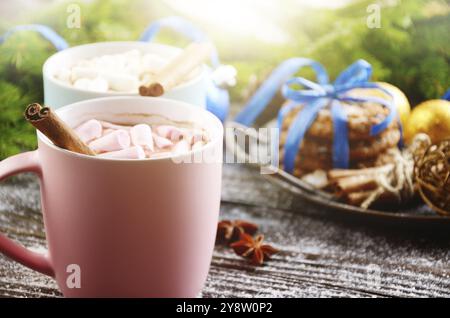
(24,162)
(48,33)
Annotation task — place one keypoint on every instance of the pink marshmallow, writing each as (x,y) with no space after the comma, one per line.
(176,135)
(141,135)
(199,144)
(89,130)
(117,140)
(107,131)
(170,132)
(181,147)
(164,131)
(157,155)
(135,152)
(162,142)
(193,137)
(109,125)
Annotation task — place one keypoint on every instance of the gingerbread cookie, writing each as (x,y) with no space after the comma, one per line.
(359,149)
(316,150)
(360,120)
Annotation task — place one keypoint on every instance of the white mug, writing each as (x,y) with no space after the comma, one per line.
(58,93)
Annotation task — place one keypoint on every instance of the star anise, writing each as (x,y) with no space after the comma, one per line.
(253,248)
(229,231)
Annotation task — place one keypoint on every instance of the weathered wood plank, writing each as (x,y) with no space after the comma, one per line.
(320,257)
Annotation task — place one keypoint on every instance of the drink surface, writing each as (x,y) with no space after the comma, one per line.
(140,141)
(123,72)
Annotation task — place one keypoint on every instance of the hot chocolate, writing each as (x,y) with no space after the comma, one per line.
(111,140)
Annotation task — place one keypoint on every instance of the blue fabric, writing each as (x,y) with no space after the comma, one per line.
(217,100)
(58,42)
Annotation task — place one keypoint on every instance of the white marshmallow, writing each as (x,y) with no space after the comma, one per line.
(98,85)
(135,152)
(83,72)
(82,83)
(117,140)
(141,135)
(89,130)
(108,63)
(121,82)
(152,63)
(63,74)
(122,71)
(132,54)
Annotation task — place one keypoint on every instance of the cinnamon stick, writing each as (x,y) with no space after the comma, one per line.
(356,183)
(343,173)
(47,122)
(358,198)
(176,70)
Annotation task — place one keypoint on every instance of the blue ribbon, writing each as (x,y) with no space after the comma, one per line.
(316,96)
(57,41)
(447,95)
(217,99)
(270,87)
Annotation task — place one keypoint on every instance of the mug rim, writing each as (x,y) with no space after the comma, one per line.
(53,80)
(211,143)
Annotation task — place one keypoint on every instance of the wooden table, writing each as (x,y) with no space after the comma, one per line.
(321,255)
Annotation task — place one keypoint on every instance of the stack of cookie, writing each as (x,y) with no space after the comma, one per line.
(316,150)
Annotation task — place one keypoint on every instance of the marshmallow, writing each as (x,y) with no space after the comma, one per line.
(193,136)
(82,83)
(110,140)
(181,147)
(83,72)
(64,75)
(198,145)
(152,63)
(120,82)
(176,134)
(157,155)
(107,131)
(89,130)
(141,135)
(108,125)
(224,76)
(135,152)
(117,140)
(98,84)
(164,131)
(162,142)
(170,132)
(122,72)
(108,63)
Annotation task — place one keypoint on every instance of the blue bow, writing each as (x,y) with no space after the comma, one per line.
(317,96)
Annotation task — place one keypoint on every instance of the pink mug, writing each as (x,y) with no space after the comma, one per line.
(125,228)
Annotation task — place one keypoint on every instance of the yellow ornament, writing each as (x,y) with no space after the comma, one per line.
(400,100)
(432,118)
